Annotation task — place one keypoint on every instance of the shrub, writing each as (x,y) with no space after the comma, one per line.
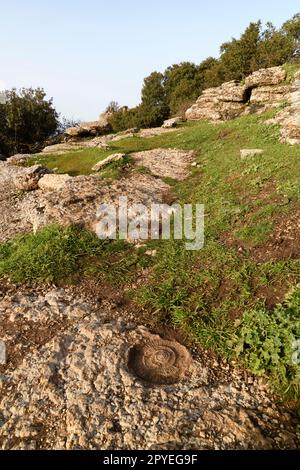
(27,120)
(265,341)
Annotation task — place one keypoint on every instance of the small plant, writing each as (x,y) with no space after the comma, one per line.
(265,343)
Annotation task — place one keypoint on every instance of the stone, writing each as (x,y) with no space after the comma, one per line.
(289,117)
(92,128)
(53,182)
(170,123)
(171,163)
(111,158)
(229,100)
(19,159)
(28,181)
(245,153)
(265,77)
(159,361)
(219,104)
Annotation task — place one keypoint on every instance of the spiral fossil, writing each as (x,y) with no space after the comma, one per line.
(159,361)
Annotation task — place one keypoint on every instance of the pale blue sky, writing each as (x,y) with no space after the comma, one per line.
(87,53)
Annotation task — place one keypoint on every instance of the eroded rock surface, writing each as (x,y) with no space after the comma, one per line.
(74,389)
(289,117)
(171,163)
(261,90)
(65,200)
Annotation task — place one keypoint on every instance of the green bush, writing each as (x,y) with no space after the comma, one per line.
(265,341)
(27,120)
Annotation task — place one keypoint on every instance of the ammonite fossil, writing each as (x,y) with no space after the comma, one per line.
(159,361)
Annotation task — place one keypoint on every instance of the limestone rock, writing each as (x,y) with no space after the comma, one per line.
(172,163)
(289,117)
(86,129)
(52,182)
(28,181)
(271,96)
(169,123)
(265,77)
(111,158)
(245,153)
(219,104)
(68,386)
(19,159)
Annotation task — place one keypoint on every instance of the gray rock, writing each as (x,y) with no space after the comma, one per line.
(245,153)
(19,159)
(52,182)
(265,77)
(28,181)
(112,158)
(169,123)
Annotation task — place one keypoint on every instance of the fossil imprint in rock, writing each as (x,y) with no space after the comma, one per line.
(159,361)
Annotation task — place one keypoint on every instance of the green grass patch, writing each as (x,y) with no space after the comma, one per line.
(57,254)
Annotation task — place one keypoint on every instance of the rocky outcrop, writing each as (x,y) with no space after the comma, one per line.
(289,117)
(29,179)
(232,99)
(86,129)
(92,128)
(270,95)
(266,77)
(219,104)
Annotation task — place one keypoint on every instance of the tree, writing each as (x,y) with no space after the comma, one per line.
(292,29)
(239,56)
(276,47)
(29,119)
(112,107)
(153,109)
(183,84)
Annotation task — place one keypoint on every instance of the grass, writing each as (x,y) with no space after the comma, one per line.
(55,254)
(213,294)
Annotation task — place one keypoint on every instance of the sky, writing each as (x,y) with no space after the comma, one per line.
(87,53)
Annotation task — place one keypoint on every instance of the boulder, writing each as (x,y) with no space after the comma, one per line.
(53,182)
(28,181)
(245,153)
(266,77)
(19,159)
(169,123)
(219,103)
(112,158)
(93,128)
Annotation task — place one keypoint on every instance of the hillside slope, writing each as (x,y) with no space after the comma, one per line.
(235,303)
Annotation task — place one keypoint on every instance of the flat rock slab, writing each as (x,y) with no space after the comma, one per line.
(115,157)
(74,389)
(246,153)
(170,163)
(65,200)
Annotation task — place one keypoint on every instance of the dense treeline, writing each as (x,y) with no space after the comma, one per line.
(172,92)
